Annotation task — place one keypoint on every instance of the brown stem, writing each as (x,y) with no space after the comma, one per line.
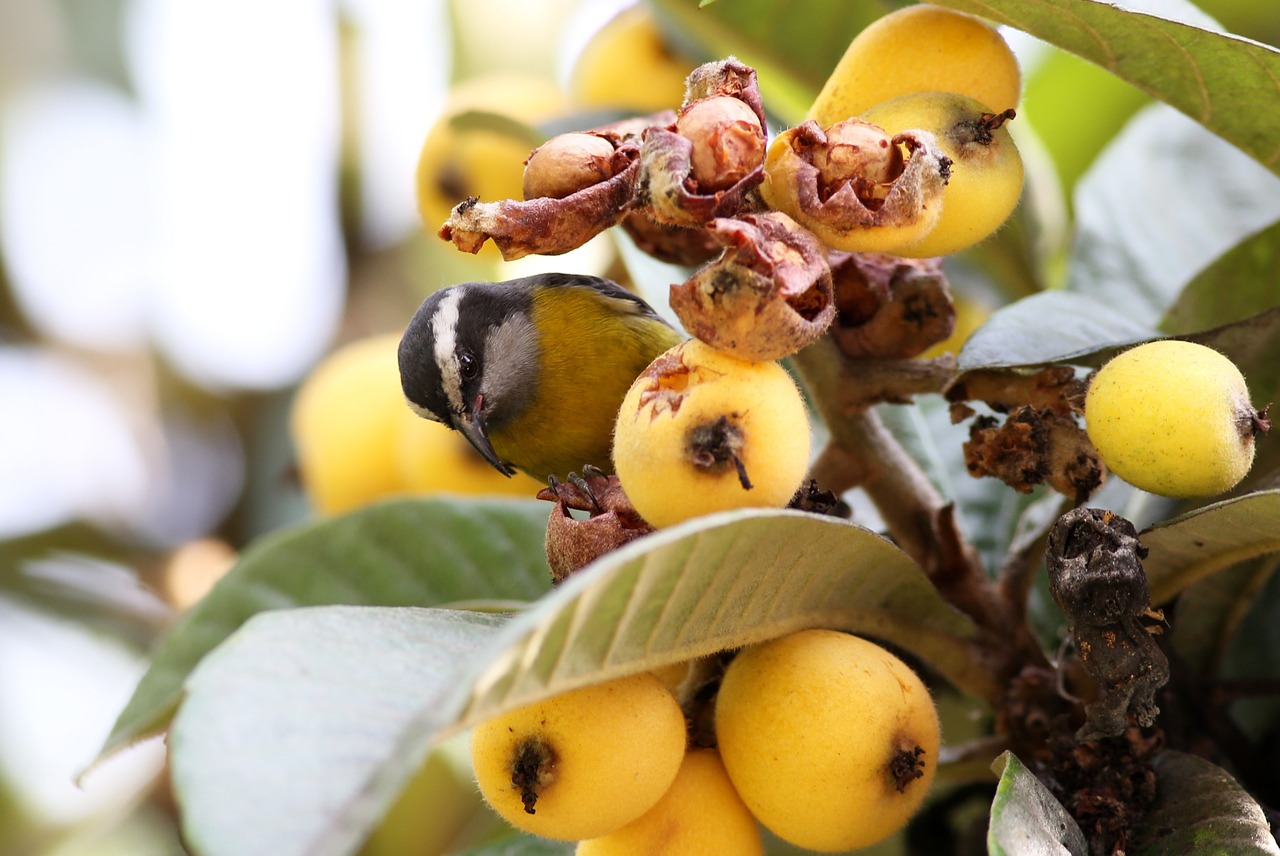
(870,457)
(862,452)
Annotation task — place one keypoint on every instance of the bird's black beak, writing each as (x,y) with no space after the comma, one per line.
(470,424)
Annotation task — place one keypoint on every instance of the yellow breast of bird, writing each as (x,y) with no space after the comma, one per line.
(595,349)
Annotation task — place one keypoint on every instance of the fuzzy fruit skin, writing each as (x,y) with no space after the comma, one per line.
(700,813)
(1172,418)
(808,725)
(652,439)
(920,49)
(617,747)
(986,179)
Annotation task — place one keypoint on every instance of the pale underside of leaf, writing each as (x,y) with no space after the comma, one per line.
(725,582)
(1026,820)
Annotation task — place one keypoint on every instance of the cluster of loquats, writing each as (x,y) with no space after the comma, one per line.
(817,713)
(827,740)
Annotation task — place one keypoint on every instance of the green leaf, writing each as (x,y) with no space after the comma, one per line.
(331,710)
(399,553)
(1199,808)
(1055,326)
(1239,284)
(1190,548)
(1162,203)
(1076,108)
(721,582)
(1210,613)
(1025,817)
(283,743)
(1228,84)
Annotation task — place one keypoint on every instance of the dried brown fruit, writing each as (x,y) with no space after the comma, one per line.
(889,307)
(1035,446)
(766,297)
(705,164)
(677,245)
(1094,562)
(572,542)
(834,183)
(544,226)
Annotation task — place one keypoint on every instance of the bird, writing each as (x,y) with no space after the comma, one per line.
(531,371)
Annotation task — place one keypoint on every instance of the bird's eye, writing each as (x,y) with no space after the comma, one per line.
(468,365)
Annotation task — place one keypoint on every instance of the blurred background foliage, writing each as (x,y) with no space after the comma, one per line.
(199,200)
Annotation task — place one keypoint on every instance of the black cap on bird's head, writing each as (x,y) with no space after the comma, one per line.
(468,359)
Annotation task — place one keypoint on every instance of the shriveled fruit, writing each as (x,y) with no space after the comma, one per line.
(985,180)
(701,431)
(1173,418)
(920,48)
(859,187)
(699,814)
(584,763)
(831,741)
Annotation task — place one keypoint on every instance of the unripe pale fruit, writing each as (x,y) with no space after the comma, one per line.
(455,164)
(986,168)
(699,814)
(627,65)
(920,49)
(1173,418)
(701,431)
(345,421)
(831,741)
(584,763)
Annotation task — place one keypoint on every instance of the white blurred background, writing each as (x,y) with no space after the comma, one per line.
(198,200)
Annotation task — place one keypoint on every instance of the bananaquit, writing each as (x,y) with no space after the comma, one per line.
(531,371)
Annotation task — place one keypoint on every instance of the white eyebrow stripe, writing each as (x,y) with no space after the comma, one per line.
(444,331)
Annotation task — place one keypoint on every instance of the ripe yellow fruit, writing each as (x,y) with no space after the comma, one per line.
(701,431)
(433,458)
(920,49)
(986,168)
(700,813)
(1173,418)
(357,441)
(627,64)
(831,740)
(481,161)
(345,421)
(584,763)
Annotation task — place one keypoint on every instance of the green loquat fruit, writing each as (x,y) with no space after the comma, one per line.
(584,763)
(986,169)
(701,431)
(920,48)
(831,741)
(699,814)
(1173,418)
